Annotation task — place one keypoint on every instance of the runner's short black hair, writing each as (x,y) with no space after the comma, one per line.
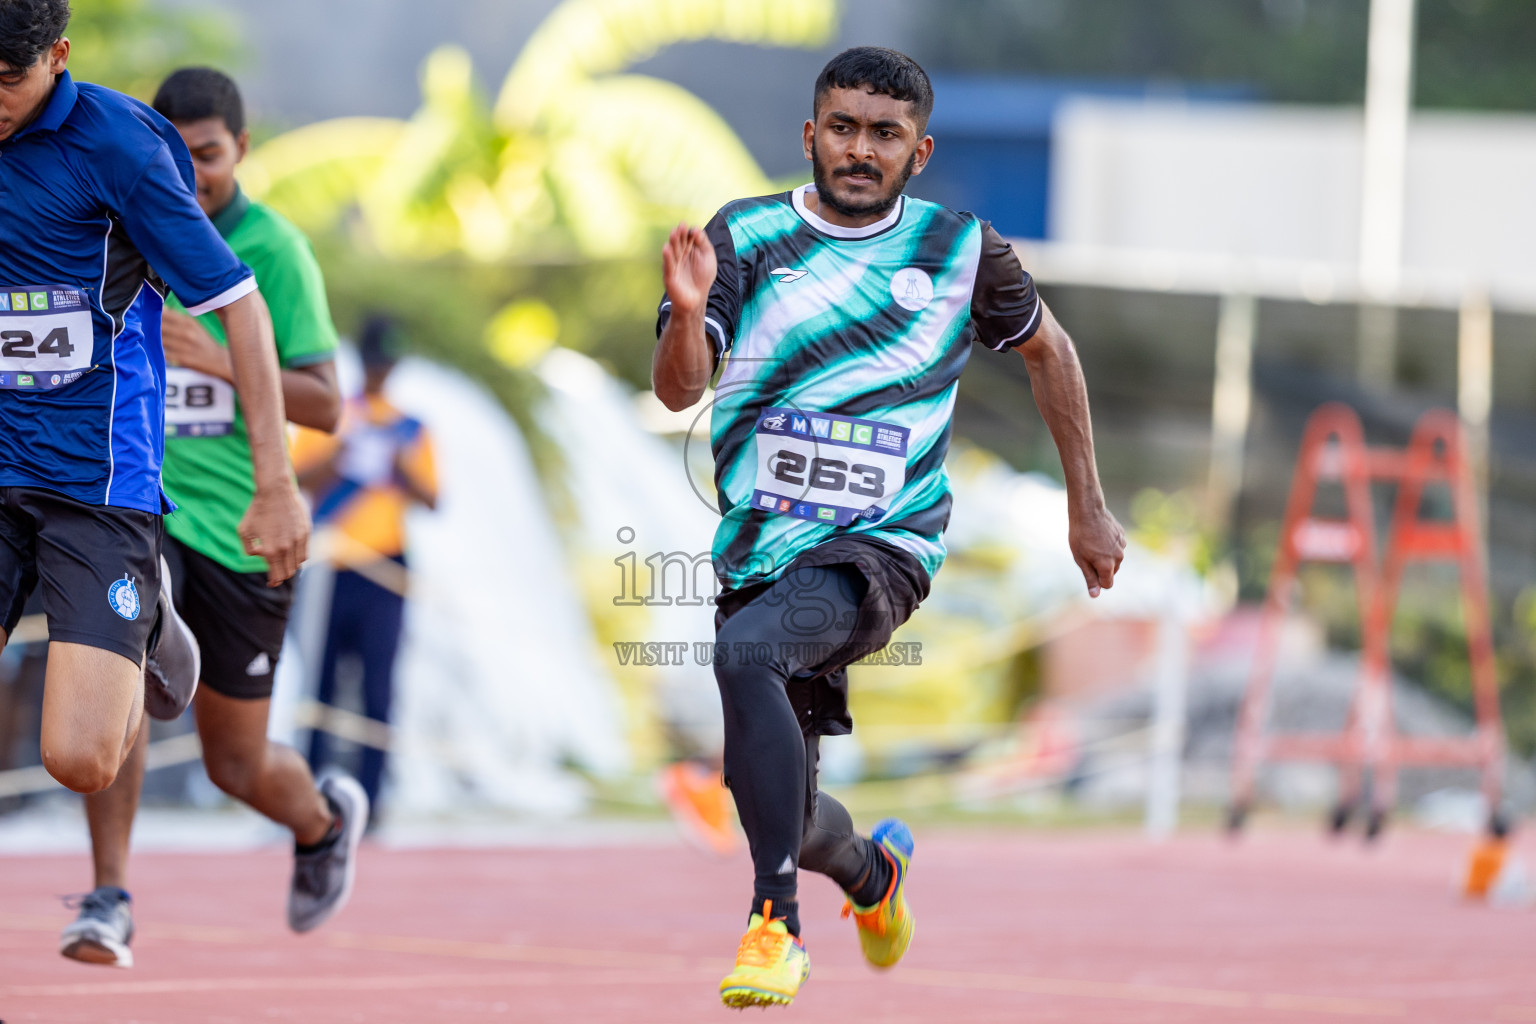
(192,94)
(28,28)
(879,70)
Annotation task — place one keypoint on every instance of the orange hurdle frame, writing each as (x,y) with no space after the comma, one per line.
(1333,449)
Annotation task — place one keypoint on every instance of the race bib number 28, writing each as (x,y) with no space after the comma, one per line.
(197,405)
(45,337)
(832,469)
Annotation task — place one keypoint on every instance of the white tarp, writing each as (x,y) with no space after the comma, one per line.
(499,682)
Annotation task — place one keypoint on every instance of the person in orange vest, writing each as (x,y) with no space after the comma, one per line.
(363,480)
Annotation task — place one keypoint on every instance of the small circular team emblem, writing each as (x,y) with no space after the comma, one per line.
(912,288)
(55,380)
(123,596)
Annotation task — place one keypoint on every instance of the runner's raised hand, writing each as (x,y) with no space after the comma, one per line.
(688,268)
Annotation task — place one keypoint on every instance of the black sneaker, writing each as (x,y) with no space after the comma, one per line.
(100,935)
(174,661)
(323,875)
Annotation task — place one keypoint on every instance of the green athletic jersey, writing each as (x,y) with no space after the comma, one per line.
(207,470)
(844,348)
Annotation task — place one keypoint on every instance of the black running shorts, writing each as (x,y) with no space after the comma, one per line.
(238,620)
(894,585)
(99,566)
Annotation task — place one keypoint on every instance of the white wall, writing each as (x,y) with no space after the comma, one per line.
(1250,181)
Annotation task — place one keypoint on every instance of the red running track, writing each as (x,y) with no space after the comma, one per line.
(1086,928)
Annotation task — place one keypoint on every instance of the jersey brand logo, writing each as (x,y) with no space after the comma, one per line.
(259,666)
(787,276)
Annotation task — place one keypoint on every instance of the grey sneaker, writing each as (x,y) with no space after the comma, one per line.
(100,935)
(322,879)
(174,663)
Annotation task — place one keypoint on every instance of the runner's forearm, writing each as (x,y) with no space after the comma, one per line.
(248,326)
(682,365)
(1056,378)
(311,396)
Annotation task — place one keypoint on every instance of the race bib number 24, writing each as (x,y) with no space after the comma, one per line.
(46,338)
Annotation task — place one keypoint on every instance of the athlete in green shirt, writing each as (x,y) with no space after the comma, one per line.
(234,605)
(207,467)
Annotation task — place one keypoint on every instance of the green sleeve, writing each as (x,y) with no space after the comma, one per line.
(301,315)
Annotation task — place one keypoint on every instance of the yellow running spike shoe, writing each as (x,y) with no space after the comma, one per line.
(771,965)
(885,929)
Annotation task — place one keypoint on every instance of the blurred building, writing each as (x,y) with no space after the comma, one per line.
(995,133)
(307,61)
(996,142)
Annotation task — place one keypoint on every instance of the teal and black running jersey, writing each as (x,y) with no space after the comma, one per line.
(843,348)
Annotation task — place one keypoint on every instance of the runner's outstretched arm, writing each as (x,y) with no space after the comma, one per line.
(1056,378)
(683,363)
(276,526)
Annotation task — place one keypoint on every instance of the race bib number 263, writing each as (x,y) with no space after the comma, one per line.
(833,469)
(45,337)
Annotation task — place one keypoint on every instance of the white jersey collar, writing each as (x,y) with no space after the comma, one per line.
(797,200)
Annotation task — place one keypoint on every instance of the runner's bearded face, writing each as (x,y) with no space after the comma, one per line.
(216,152)
(863,148)
(24,91)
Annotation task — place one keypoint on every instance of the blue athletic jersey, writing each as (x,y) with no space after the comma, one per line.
(97,216)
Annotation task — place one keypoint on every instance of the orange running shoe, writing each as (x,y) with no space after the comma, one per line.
(701,806)
(771,965)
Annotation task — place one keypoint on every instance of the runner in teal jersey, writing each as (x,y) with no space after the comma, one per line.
(844,313)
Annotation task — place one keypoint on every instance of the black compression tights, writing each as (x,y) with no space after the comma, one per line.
(769,761)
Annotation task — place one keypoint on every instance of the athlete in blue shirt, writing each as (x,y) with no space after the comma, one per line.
(97,220)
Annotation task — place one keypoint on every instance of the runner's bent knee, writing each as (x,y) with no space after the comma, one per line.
(82,765)
(234,772)
(92,704)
